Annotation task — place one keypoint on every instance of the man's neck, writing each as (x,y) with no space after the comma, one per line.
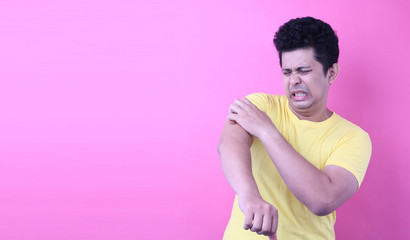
(318,116)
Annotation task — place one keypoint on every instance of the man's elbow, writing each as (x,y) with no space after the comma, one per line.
(322,208)
(321,211)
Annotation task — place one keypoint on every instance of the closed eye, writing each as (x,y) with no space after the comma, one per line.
(287,73)
(305,71)
(300,70)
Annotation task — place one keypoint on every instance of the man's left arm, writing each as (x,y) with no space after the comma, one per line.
(321,191)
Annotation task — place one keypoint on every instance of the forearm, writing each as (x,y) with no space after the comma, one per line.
(259,216)
(234,151)
(236,165)
(310,185)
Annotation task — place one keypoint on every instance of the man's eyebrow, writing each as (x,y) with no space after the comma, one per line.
(297,69)
(302,68)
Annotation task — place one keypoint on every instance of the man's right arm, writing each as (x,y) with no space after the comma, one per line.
(234,151)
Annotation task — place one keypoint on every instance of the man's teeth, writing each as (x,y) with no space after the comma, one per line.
(300,94)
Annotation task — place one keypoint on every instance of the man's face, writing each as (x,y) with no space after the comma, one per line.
(306,86)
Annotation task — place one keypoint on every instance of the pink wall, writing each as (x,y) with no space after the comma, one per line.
(110,112)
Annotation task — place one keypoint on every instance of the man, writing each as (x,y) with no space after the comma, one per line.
(290,160)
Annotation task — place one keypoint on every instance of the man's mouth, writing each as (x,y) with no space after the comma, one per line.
(299,95)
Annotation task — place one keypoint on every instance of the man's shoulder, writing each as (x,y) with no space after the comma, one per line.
(265,95)
(264,98)
(349,127)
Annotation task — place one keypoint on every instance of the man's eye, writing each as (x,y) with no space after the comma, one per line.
(286,73)
(305,71)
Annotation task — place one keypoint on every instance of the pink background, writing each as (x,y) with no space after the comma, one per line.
(110,112)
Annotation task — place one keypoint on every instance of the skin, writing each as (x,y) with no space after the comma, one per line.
(321,191)
(302,74)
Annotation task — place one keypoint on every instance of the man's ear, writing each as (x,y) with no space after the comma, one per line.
(333,72)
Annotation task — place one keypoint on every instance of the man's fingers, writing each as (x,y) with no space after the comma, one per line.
(257,223)
(273,237)
(275,223)
(232,121)
(240,102)
(234,108)
(232,117)
(267,225)
(248,221)
(245,100)
(243,104)
(248,103)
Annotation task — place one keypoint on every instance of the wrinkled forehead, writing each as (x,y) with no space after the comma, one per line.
(303,57)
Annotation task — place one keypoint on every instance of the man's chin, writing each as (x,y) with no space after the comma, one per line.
(300,106)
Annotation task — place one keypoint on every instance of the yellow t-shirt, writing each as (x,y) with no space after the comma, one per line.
(334,141)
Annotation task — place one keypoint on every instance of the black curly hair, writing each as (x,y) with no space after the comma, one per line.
(309,32)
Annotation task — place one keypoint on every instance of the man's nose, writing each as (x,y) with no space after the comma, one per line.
(294,79)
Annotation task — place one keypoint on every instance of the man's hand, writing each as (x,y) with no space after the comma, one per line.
(260,216)
(250,118)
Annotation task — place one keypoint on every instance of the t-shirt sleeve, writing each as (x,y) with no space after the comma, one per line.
(353,154)
(259,99)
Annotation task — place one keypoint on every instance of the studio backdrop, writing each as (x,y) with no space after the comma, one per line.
(111,111)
